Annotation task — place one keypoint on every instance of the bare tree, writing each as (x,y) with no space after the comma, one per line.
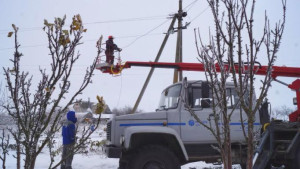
(38,112)
(221,114)
(4,119)
(282,113)
(3,98)
(4,141)
(234,52)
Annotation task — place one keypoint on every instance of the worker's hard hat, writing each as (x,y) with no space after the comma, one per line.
(110,37)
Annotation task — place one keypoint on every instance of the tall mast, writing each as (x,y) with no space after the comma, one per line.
(178,56)
(152,69)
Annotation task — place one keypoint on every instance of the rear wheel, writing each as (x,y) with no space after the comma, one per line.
(297,159)
(295,163)
(154,157)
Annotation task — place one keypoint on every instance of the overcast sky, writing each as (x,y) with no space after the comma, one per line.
(128,20)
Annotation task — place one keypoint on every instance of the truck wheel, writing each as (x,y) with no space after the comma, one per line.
(295,163)
(124,160)
(154,157)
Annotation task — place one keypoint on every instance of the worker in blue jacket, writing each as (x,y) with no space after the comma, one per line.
(69,134)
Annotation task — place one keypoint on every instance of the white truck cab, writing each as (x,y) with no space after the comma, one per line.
(171,136)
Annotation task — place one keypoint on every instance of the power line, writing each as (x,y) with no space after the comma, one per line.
(130,19)
(158,17)
(127,36)
(120,20)
(120,92)
(145,34)
(27,46)
(190,6)
(202,12)
(90,40)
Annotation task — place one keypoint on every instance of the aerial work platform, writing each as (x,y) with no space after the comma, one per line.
(260,70)
(276,71)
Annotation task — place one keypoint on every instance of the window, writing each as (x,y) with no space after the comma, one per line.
(231,97)
(196,100)
(170,97)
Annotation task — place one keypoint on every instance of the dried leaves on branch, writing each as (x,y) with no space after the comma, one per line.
(38,111)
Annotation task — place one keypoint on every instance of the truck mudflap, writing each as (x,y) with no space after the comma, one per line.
(112,151)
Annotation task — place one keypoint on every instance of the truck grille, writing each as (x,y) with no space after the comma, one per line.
(108,131)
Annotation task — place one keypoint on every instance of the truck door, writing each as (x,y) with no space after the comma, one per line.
(169,102)
(238,116)
(193,131)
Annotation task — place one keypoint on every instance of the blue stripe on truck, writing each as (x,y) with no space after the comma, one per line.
(152,124)
(174,124)
(238,124)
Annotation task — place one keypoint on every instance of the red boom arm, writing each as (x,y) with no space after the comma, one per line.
(259,70)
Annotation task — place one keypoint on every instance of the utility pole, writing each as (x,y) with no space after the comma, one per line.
(178,56)
(152,69)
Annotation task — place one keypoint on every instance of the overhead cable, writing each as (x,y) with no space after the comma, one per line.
(28,46)
(89,40)
(190,6)
(158,17)
(145,34)
(200,14)
(130,19)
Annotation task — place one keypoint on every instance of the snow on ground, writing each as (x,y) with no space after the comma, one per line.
(101,162)
(93,159)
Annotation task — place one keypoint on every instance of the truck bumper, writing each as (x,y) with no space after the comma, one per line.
(112,152)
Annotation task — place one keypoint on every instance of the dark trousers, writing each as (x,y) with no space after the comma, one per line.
(67,156)
(109,57)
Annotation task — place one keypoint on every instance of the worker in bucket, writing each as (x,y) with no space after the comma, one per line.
(110,48)
(69,134)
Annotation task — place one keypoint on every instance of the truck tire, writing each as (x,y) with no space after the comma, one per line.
(154,157)
(297,159)
(295,163)
(124,160)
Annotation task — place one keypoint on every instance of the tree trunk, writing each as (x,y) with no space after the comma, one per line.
(250,143)
(32,162)
(4,160)
(228,146)
(18,154)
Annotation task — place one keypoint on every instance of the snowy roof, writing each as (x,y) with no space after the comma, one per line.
(103,116)
(83,114)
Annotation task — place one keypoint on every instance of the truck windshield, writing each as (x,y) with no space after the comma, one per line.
(170,97)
